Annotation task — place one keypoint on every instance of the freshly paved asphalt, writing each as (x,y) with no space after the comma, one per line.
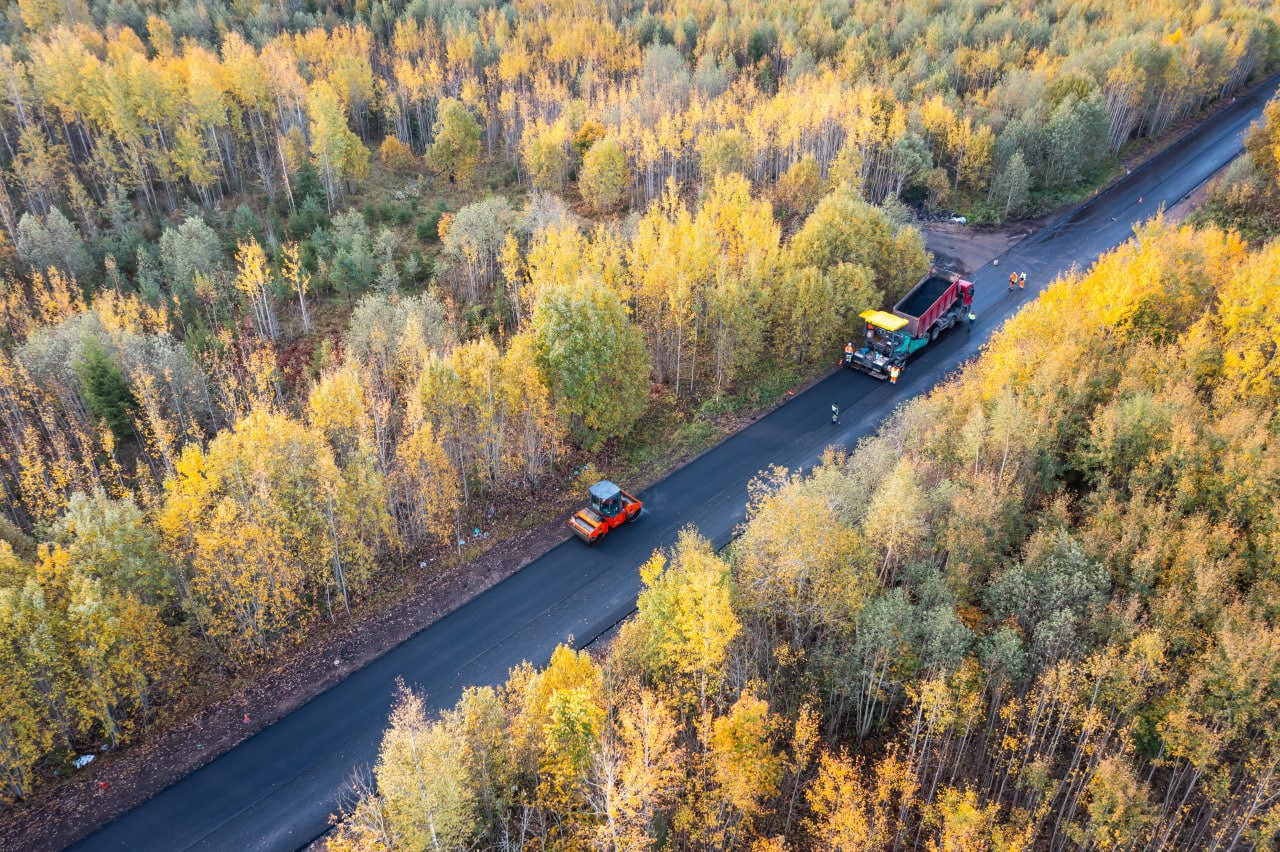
(276,790)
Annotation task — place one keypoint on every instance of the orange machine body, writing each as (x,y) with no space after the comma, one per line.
(610,507)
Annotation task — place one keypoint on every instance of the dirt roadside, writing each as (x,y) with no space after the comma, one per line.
(119,781)
(964,248)
(1179,212)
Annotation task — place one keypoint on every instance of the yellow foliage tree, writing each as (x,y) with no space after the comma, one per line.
(397,156)
(605,177)
(423,781)
(685,619)
(269,528)
(424,489)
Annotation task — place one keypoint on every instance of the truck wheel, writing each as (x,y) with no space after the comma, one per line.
(933,333)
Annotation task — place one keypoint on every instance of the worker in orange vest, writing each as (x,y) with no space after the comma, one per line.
(848,353)
(1022,281)
(894,370)
(1013,280)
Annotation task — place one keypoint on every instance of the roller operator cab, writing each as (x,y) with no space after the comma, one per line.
(610,507)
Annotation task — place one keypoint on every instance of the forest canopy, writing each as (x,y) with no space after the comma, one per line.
(294,296)
(979,105)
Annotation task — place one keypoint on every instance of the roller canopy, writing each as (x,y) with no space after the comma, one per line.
(604,490)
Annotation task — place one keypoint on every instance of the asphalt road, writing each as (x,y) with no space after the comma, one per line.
(277,789)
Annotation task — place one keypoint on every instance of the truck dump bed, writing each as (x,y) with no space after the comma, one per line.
(927,301)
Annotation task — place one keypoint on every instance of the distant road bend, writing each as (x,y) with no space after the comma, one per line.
(277,789)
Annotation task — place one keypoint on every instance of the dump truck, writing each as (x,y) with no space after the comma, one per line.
(610,507)
(938,302)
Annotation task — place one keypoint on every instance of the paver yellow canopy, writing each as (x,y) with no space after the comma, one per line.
(884,319)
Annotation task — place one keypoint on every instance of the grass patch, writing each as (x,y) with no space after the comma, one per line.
(765,387)
(698,434)
(672,430)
